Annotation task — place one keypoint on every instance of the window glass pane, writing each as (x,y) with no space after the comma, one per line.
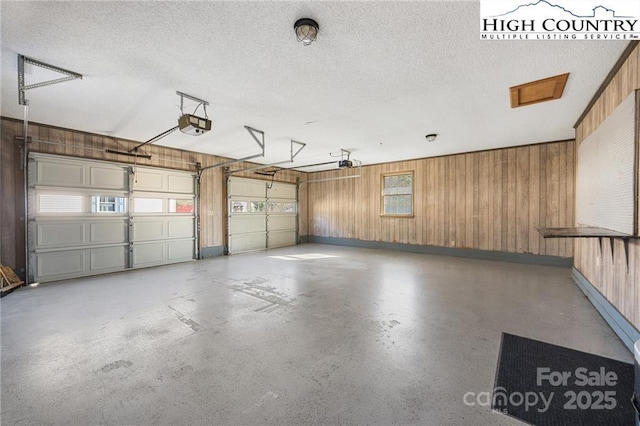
(397,194)
(239,207)
(102,204)
(289,207)
(257,206)
(274,207)
(181,205)
(57,203)
(147,205)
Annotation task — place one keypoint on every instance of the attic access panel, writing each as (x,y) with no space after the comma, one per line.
(537,91)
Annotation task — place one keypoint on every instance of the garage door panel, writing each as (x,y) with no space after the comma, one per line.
(163,181)
(180,228)
(247,242)
(79,263)
(182,184)
(281,238)
(247,187)
(147,230)
(150,253)
(64,263)
(107,177)
(57,171)
(162,228)
(280,223)
(59,234)
(60,174)
(108,232)
(239,224)
(162,252)
(65,234)
(147,180)
(282,190)
(108,258)
(180,250)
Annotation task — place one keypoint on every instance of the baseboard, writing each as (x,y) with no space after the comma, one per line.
(213,251)
(618,323)
(532,259)
(303,239)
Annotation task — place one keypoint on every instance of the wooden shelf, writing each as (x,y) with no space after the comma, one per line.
(582,232)
(591,232)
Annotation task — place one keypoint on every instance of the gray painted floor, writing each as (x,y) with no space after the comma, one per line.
(364,336)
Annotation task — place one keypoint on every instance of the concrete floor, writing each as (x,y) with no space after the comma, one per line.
(349,336)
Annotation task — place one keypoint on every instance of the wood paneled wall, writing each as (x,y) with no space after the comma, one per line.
(610,275)
(91,146)
(491,200)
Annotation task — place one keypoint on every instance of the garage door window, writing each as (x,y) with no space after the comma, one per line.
(147,205)
(59,203)
(239,207)
(281,208)
(180,205)
(258,206)
(106,204)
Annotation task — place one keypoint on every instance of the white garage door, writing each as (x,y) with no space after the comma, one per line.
(261,214)
(91,217)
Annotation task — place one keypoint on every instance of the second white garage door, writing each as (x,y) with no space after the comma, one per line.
(261,214)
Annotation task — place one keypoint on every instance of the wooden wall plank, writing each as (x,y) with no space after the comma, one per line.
(496,193)
(460,208)
(553,195)
(534,188)
(522,232)
(511,200)
(482,236)
(450,188)
(469,200)
(504,234)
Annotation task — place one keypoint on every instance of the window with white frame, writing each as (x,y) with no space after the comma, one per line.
(106,204)
(397,194)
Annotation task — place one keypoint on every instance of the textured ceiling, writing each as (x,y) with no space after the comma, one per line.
(380,76)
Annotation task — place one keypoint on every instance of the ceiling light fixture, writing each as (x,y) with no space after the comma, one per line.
(306,30)
(431,137)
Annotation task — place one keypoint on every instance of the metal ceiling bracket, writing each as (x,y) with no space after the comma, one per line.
(22,100)
(264,166)
(22,87)
(260,143)
(300,144)
(253,133)
(192,98)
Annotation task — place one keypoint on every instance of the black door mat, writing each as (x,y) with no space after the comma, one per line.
(545,384)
